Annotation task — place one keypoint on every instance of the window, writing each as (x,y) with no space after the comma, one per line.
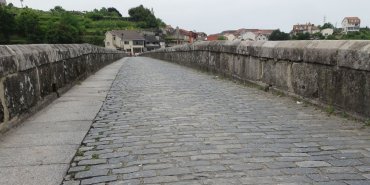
(107,43)
(114,37)
(127,42)
(138,42)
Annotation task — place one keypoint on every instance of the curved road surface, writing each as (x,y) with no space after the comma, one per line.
(167,124)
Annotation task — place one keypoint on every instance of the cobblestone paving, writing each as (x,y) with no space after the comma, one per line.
(167,124)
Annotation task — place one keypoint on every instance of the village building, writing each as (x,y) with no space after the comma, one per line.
(212,37)
(2,2)
(248,36)
(351,24)
(179,36)
(256,35)
(153,42)
(327,32)
(126,40)
(305,28)
(230,36)
(201,36)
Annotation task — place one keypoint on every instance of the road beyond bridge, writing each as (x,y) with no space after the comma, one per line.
(166,124)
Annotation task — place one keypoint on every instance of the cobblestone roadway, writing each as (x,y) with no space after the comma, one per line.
(167,124)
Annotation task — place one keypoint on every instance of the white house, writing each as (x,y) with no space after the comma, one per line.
(3,2)
(125,40)
(262,37)
(230,36)
(351,24)
(249,36)
(259,35)
(326,32)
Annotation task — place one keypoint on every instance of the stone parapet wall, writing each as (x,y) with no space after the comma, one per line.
(330,73)
(33,75)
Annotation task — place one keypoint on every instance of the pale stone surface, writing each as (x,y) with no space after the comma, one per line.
(33,175)
(166,124)
(41,149)
(311,164)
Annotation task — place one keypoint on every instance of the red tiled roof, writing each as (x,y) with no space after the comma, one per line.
(212,37)
(353,19)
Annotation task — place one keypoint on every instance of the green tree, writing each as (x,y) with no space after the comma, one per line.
(114,11)
(29,26)
(95,16)
(65,31)
(318,36)
(331,37)
(221,38)
(58,9)
(145,17)
(363,34)
(7,24)
(279,35)
(327,25)
(302,36)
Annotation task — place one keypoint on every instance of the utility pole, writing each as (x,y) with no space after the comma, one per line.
(21,3)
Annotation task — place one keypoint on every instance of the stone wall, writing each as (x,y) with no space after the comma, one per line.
(328,73)
(33,75)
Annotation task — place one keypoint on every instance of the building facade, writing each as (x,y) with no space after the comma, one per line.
(305,28)
(262,37)
(229,36)
(125,40)
(258,35)
(201,36)
(251,36)
(153,42)
(351,24)
(212,37)
(2,2)
(327,32)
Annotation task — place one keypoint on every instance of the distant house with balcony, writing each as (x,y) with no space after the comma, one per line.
(179,36)
(351,24)
(125,40)
(153,42)
(305,28)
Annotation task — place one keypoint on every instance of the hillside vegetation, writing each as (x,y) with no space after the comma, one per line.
(27,26)
(363,34)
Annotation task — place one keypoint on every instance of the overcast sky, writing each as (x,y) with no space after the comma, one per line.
(213,16)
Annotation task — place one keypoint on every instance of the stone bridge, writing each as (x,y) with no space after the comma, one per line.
(149,120)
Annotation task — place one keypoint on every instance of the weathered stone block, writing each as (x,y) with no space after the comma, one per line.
(275,73)
(355,55)
(21,92)
(253,67)
(305,80)
(7,61)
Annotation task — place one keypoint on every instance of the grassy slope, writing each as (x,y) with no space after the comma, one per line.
(94,29)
